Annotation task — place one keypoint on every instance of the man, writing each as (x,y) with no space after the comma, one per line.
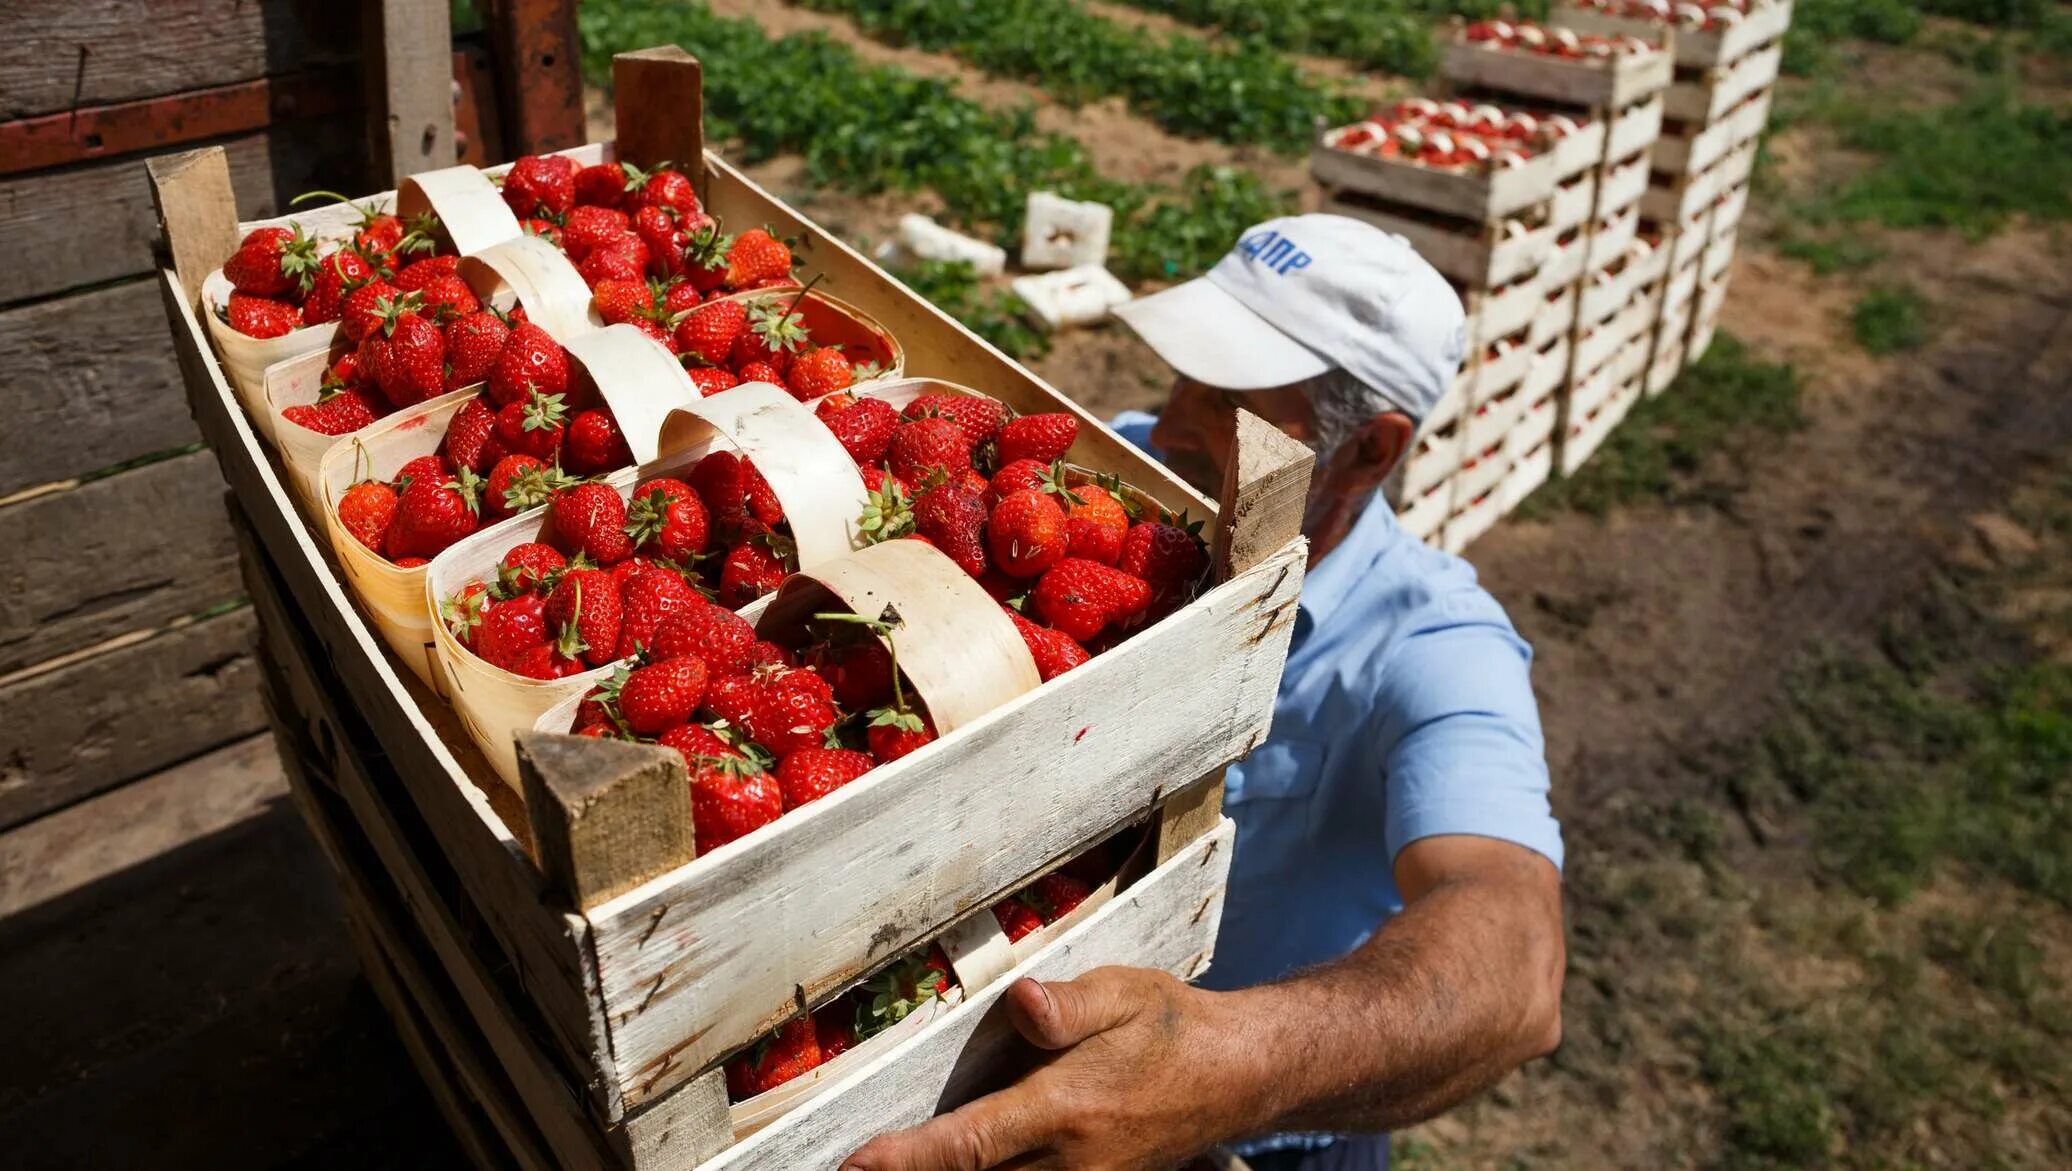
(1391,941)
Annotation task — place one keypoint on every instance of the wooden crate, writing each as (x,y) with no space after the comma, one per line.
(1549,368)
(1610,238)
(1665,362)
(1728,209)
(1473,519)
(1479,254)
(1480,198)
(1622,184)
(1556,315)
(1697,146)
(1634,129)
(1582,439)
(1536,424)
(1492,418)
(1574,200)
(1751,116)
(1605,292)
(1566,260)
(1480,471)
(1424,514)
(1499,367)
(627,1027)
(1530,469)
(1703,95)
(1681,198)
(1718,256)
(1501,313)
(1599,83)
(1693,49)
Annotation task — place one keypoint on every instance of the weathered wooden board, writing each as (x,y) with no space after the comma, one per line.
(84,225)
(91,52)
(93,724)
(128,552)
(88,383)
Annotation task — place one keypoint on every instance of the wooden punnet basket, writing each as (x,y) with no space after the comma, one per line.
(569,975)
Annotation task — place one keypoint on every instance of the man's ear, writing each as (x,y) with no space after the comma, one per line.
(1383,442)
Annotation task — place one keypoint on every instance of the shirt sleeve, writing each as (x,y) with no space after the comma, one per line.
(1460,728)
(1135,427)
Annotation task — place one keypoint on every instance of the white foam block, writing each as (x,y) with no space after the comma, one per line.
(1072,296)
(929,240)
(1063,233)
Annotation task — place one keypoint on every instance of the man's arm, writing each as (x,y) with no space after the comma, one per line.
(1449,995)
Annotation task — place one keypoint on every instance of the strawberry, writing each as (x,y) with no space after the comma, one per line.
(546,230)
(887,513)
(1016,918)
(590,518)
(1055,652)
(547,661)
(261,317)
(833,404)
(714,633)
(1038,437)
(413,367)
(511,629)
(516,483)
(709,333)
(865,428)
(336,275)
(1026,533)
(377,232)
(531,360)
(729,697)
(620,301)
(657,227)
(679,297)
(1096,521)
(710,380)
(1081,597)
(791,710)
(659,696)
(894,733)
(834,1027)
(753,568)
(447,298)
(527,567)
(763,504)
(1022,475)
(362,311)
(336,412)
(926,449)
(434,512)
(695,740)
(670,525)
(538,185)
(756,255)
(774,334)
(705,258)
(758,372)
(594,444)
(812,773)
(599,185)
(647,323)
(589,226)
(717,479)
(730,798)
(272,262)
(953,518)
(646,600)
(764,653)
(664,187)
(462,613)
(533,427)
(776,1059)
(366,511)
(424,467)
(857,665)
(1169,558)
(903,987)
(820,370)
(419,275)
(473,344)
(584,609)
(1056,895)
(624,257)
(980,418)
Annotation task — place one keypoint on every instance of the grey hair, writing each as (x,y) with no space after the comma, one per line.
(1342,405)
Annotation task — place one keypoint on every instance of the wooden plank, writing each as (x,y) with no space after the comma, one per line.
(89,133)
(93,724)
(659,99)
(922,841)
(409,86)
(605,817)
(94,223)
(539,75)
(128,552)
(89,384)
(103,51)
(1167,920)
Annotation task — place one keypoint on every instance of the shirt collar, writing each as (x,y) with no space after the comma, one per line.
(1338,576)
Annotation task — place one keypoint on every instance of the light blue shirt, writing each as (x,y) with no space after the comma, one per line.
(1405,712)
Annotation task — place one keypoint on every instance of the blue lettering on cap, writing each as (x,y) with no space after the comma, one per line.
(1275,251)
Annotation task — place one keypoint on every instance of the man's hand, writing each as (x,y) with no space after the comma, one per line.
(1144,1071)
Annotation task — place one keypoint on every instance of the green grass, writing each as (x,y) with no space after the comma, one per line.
(1831,253)
(1655,453)
(1818,27)
(997,316)
(1890,318)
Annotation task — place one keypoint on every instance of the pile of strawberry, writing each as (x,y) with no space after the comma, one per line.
(280,283)
(533,430)
(729,342)
(1715,15)
(1452,135)
(1073,564)
(1526,37)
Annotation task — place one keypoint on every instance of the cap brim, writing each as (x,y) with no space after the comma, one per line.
(1209,336)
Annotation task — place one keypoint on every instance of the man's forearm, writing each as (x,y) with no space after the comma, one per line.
(1446,998)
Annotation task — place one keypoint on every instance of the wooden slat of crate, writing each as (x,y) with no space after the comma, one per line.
(1475,518)
(1458,394)
(89,385)
(1564,263)
(1677,199)
(1434,458)
(1470,196)
(1573,202)
(1549,367)
(1692,147)
(1634,129)
(1502,313)
(1665,362)
(1610,239)
(1556,315)
(1479,472)
(1480,255)
(1581,151)
(90,224)
(1492,418)
(156,698)
(1622,185)
(1694,49)
(1728,209)
(1604,293)
(1585,437)
(1718,257)
(1501,372)
(1529,470)
(1536,424)
(1602,83)
(1735,169)
(1751,116)
(1425,514)
(132,551)
(1710,93)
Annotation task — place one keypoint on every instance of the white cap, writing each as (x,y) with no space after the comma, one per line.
(1302,295)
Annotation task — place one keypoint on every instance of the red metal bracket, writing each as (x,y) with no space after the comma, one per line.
(103,132)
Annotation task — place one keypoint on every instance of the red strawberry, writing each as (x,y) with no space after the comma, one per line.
(664,187)
(590,518)
(646,600)
(865,428)
(1096,522)
(659,696)
(1055,652)
(979,417)
(773,335)
(1056,895)
(709,333)
(858,667)
(534,426)
(1023,475)
(665,238)
(730,798)
(1038,437)
(462,613)
(337,412)
(584,609)
(776,1059)
(590,226)
(1026,533)
(272,262)
(812,773)
(695,740)
(792,709)
(658,330)
(526,567)
(671,525)
(765,653)
(926,449)
(953,518)
(434,512)
(511,629)
(415,366)
(1080,597)
(519,482)
(893,733)
(714,633)
(717,478)
(834,404)
(834,1026)
(758,372)
(447,299)
(594,444)
(624,257)
(1169,558)
(531,361)
(599,185)
(335,276)
(419,276)
(261,317)
(1016,918)
(424,467)
(536,185)
(366,511)
(753,568)
(756,256)
(763,504)
(547,662)
(821,370)
(705,258)
(473,344)
(710,380)
(362,311)
(546,230)
(620,301)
